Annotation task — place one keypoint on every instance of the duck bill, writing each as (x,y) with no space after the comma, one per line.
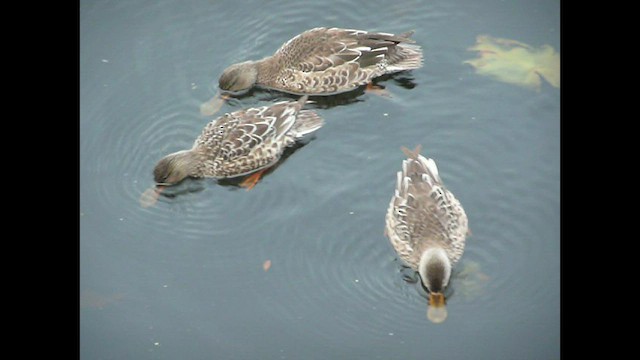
(436,300)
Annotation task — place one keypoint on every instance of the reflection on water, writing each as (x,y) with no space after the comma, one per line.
(298,267)
(92,300)
(471,281)
(213,105)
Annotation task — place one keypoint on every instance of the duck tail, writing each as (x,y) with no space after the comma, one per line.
(417,166)
(406,57)
(406,35)
(307,122)
(303,100)
(412,154)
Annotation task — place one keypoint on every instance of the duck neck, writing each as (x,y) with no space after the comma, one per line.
(267,70)
(435,269)
(196,160)
(188,161)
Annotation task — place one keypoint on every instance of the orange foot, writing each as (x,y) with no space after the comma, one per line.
(377,90)
(252,179)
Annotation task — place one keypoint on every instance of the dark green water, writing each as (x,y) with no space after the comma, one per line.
(184,279)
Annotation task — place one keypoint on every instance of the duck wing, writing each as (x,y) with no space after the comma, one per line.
(423,212)
(321,48)
(325,61)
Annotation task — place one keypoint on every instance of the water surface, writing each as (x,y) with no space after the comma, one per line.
(184,279)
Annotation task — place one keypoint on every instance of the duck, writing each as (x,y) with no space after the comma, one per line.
(240,143)
(325,61)
(427,226)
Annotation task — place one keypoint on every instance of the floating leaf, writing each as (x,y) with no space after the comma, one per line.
(266,265)
(515,62)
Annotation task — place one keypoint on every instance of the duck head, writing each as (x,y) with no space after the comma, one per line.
(239,78)
(175,167)
(435,271)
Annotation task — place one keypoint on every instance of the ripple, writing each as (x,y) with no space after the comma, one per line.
(349,278)
(354,270)
(353,277)
(124,152)
(318,218)
(507,250)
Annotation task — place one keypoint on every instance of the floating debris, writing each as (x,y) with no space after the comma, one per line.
(266,265)
(515,62)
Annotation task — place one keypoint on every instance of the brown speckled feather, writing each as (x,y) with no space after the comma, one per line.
(248,140)
(423,213)
(325,61)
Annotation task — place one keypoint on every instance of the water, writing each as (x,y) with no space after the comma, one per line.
(184,279)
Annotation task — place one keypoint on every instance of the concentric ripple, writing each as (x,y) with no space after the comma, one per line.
(348,273)
(303,253)
(355,267)
(506,250)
